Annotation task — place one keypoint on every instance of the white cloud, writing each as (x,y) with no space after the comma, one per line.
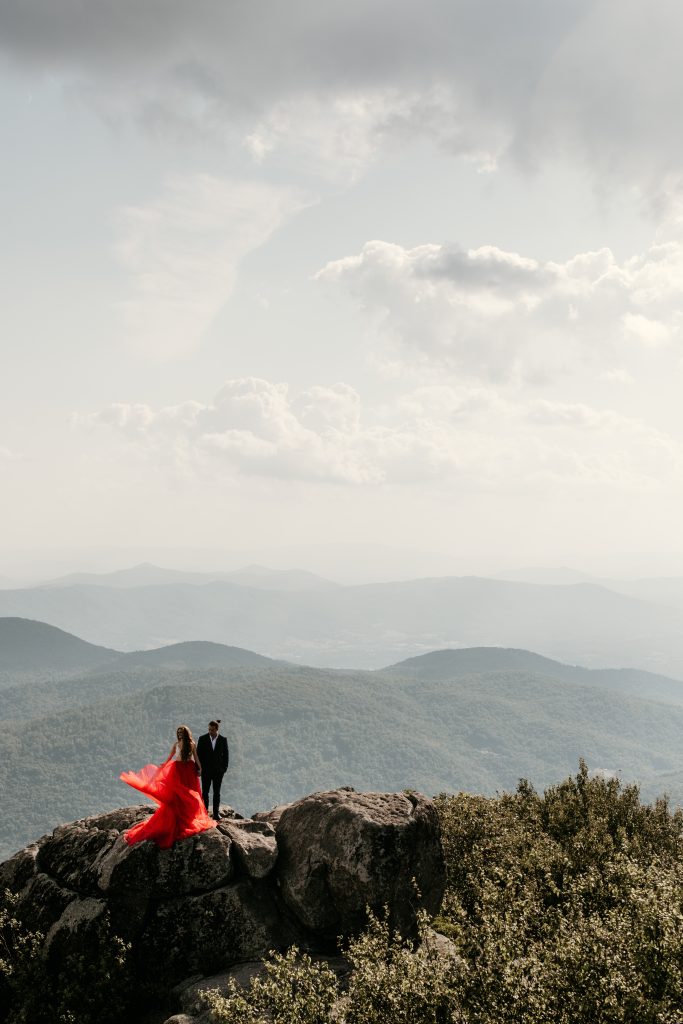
(593,80)
(652,333)
(499,315)
(434,436)
(182,252)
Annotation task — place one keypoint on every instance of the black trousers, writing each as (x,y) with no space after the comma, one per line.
(209,780)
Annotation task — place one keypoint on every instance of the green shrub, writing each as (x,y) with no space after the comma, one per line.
(293,990)
(391,982)
(86,987)
(567,906)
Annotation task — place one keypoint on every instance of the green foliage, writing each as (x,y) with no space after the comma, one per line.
(565,908)
(568,907)
(391,982)
(81,986)
(293,990)
(400,982)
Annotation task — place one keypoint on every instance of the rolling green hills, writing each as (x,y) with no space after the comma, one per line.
(454,664)
(293,729)
(29,646)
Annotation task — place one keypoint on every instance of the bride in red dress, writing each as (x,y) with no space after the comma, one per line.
(175,788)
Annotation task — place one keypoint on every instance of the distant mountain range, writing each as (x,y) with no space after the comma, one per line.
(475,720)
(148,575)
(662,590)
(365,626)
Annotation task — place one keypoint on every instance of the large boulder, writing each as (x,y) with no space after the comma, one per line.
(342,851)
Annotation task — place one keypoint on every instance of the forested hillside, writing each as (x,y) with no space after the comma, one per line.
(293,729)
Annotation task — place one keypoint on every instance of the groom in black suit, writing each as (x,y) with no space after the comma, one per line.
(212,751)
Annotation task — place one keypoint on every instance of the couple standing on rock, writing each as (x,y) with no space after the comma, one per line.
(183,804)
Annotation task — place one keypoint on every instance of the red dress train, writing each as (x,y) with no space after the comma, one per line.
(181,813)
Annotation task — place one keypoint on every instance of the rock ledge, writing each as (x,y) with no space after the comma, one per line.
(302,874)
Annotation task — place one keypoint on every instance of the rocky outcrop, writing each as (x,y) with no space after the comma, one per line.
(342,851)
(303,873)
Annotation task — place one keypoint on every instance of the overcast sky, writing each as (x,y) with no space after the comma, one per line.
(354,271)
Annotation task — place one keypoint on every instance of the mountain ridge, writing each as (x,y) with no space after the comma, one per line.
(369,625)
(28,645)
(148,574)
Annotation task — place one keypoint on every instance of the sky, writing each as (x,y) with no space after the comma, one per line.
(342,276)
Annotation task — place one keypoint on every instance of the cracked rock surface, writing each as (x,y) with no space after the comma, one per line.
(342,851)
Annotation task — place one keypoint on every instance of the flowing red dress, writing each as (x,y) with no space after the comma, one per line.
(180,813)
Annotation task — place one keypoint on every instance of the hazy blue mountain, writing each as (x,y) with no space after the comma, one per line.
(194,654)
(262,578)
(28,646)
(147,575)
(560,576)
(454,664)
(294,729)
(372,625)
(661,590)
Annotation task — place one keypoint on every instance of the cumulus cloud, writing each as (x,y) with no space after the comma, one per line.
(182,251)
(445,434)
(498,315)
(253,426)
(597,80)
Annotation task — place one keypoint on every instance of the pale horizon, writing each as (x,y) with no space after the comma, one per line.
(346,564)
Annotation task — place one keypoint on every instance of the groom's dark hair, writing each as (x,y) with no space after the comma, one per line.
(215,721)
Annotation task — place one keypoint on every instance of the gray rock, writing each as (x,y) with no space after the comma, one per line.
(272,816)
(195,864)
(16,872)
(226,811)
(119,819)
(205,932)
(43,901)
(72,853)
(81,916)
(342,851)
(254,844)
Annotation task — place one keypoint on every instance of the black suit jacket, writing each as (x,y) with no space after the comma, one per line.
(213,762)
